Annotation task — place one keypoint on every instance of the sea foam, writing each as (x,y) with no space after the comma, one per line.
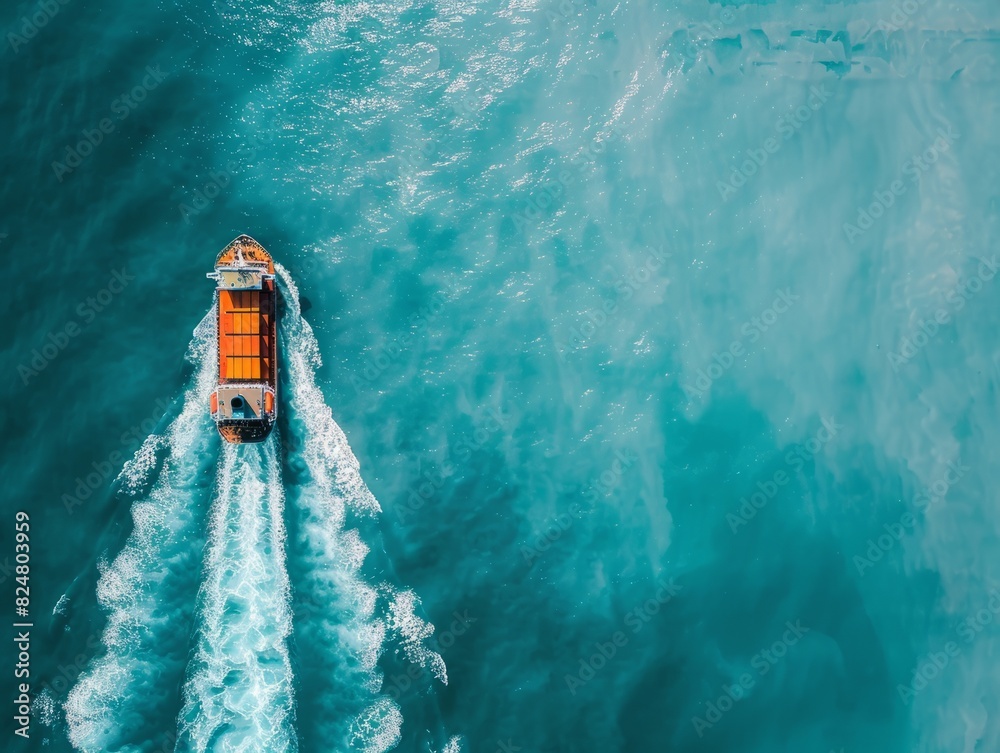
(238,695)
(145,590)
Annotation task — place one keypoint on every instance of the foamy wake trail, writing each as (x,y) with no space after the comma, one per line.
(146,591)
(239,695)
(349,621)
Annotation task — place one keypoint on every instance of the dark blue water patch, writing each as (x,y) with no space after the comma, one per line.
(745,587)
(827,688)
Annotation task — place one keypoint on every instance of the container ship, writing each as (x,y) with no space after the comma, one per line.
(244,405)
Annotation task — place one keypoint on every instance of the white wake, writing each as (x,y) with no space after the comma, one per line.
(143,589)
(352,620)
(239,695)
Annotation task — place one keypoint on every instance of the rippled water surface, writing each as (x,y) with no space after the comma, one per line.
(638,368)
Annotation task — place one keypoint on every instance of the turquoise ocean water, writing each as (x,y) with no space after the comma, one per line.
(639,376)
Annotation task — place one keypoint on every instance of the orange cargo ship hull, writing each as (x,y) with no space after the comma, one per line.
(244,404)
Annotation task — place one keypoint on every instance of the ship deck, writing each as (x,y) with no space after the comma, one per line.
(246,347)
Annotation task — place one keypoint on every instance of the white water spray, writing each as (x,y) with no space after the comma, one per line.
(238,696)
(144,642)
(346,622)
